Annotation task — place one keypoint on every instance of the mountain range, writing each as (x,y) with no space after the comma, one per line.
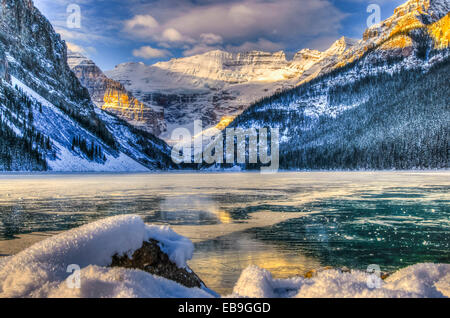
(380,102)
(218,86)
(385,106)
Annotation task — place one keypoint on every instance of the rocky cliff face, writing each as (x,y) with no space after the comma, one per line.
(112,96)
(37,55)
(47,118)
(231,68)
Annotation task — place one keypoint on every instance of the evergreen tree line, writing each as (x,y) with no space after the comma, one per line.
(28,149)
(149,144)
(92,151)
(400,122)
(91,123)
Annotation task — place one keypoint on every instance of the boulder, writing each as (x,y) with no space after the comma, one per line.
(151,259)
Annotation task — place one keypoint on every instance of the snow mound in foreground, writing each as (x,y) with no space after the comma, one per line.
(422,280)
(41,270)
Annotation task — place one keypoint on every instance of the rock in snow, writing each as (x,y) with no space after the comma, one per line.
(42,270)
(97,248)
(150,258)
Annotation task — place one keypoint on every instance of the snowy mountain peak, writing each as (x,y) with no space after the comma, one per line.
(307,54)
(340,46)
(228,67)
(217,84)
(434,8)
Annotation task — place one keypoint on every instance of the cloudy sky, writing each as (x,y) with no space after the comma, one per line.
(117,31)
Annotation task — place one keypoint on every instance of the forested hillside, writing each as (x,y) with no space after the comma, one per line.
(396,117)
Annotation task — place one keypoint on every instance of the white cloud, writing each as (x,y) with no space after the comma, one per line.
(211,38)
(147,52)
(200,49)
(142,25)
(172,35)
(75,48)
(268,25)
(253,19)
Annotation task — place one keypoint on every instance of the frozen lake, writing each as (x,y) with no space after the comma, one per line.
(288,223)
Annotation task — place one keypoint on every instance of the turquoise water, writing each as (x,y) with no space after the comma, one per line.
(288,223)
(394,227)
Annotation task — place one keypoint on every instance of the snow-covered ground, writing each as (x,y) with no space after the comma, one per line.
(52,122)
(41,270)
(418,281)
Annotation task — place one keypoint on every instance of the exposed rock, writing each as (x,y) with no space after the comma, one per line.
(58,107)
(37,56)
(150,258)
(112,96)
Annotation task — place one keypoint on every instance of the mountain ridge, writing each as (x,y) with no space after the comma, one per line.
(387,109)
(218,84)
(47,118)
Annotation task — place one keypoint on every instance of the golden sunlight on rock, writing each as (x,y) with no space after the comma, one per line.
(407,23)
(121,103)
(225,122)
(401,41)
(440,31)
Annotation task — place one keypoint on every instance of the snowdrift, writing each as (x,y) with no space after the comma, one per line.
(42,270)
(418,281)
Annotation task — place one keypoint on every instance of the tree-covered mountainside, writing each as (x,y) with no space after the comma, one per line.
(28,149)
(47,118)
(395,116)
(387,106)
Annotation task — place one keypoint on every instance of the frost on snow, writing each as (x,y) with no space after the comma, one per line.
(422,280)
(41,270)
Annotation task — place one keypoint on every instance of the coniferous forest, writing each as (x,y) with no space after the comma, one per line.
(400,121)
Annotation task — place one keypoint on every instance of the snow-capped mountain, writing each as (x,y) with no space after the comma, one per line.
(384,105)
(218,85)
(112,96)
(47,119)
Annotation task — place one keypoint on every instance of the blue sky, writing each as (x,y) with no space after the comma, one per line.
(118,31)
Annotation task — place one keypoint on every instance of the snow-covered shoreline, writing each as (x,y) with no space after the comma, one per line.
(41,270)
